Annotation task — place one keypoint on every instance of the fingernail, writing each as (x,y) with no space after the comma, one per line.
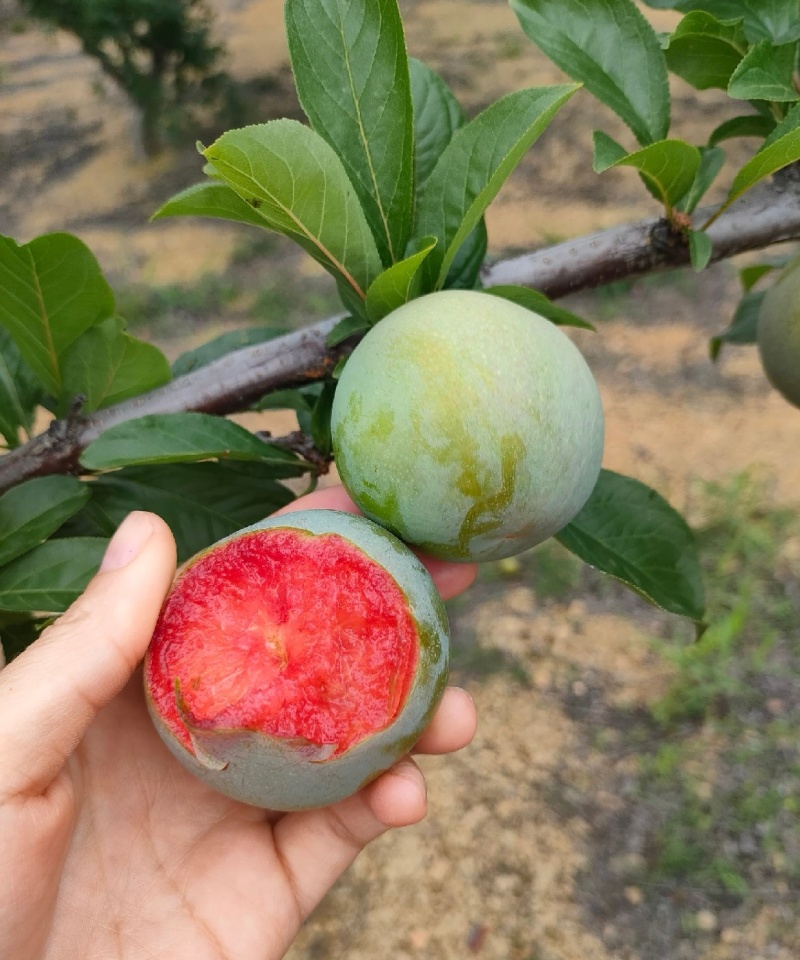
(126,544)
(408,770)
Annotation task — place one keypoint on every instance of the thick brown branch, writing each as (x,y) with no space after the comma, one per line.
(768,215)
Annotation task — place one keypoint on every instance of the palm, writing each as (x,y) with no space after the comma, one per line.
(159,864)
(111,848)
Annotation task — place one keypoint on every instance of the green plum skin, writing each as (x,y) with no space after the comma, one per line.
(779,334)
(273,774)
(468,426)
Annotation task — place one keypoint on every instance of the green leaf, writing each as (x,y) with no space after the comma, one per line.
(765,74)
(743,328)
(106,365)
(749,125)
(781,148)
(712,160)
(20,391)
(474,166)
(33,510)
(221,346)
(700,249)
(210,200)
(397,285)
(285,400)
(607,152)
(346,328)
(630,532)
(668,168)
(51,290)
(301,400)
(539,303)
(18,632)
(351,71)
(51,576)
(201,502)
(777,21)
(437,116)
(704,51)
(465,270)
(321,418)
(612,50)
(749,276)
(182,438)
(301,189)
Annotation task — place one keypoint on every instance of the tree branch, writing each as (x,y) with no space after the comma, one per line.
(767,215)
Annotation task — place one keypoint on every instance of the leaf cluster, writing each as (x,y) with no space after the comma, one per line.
(749,48)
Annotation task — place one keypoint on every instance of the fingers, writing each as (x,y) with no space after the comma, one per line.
(453,725)
(317,846)
(450,578)
(51,693)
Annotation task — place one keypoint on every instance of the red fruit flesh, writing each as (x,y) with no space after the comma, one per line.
(286,633)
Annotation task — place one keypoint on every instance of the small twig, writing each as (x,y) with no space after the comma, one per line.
(300,443)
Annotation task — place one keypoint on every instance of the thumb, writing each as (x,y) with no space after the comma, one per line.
(51,693)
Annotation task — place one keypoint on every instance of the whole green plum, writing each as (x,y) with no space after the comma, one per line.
(779,334)
(468,426)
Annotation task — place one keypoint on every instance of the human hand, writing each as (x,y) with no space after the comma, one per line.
(109,847)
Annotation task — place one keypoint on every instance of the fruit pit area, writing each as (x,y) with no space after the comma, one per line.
(626,798)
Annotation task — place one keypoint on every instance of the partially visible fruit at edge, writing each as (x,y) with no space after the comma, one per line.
(779,333)
(297,659)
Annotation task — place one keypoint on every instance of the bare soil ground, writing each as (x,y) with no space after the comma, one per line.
(533,849)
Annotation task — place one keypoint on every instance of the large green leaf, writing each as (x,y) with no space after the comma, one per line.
(704,51)
(351,71)
(51,290)
(744,326)
(106,365)
(210,199)
(221,346)
(33,510)
(612,50)
(20,391)
(765,74)
(630,532)
(296,182)
(781,148)
(51,576)
(474,166)
(182,438)
(668,168)
(201,502)
(437,116)
(397,285)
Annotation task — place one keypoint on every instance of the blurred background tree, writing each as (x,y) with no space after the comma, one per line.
(159,52)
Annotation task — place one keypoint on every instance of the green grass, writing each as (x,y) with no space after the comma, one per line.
(725,780)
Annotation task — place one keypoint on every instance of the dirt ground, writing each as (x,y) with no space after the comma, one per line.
(498,869)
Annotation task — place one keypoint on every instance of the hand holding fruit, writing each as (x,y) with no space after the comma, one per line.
(110,846)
